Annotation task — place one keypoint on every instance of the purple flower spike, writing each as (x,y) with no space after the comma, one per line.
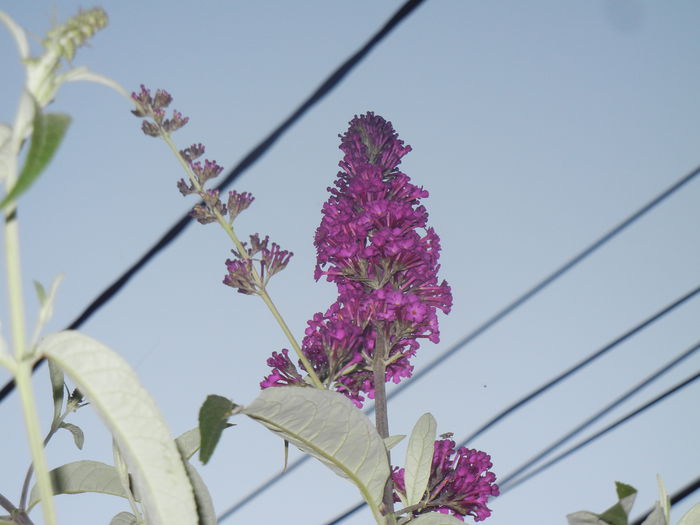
(460,482)
(374,244)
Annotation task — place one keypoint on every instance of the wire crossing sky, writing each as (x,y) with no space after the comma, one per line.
(534,126)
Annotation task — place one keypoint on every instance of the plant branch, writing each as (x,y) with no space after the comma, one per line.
(381,415)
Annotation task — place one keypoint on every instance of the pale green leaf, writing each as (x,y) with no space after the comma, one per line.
(435,518)
(584,517)
(213,419)
(391,441)
(205,505)
(78,436)
(664,500)
(17,33)
(419,458)
(48,131)
(692,517)
(46,302)
(329,427)
(187,443)
(79,477)
(134,421)
(123,518)
(656,517)
(57,389)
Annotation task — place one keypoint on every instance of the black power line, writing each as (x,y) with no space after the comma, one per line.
(601,433)
(258,151)
(490,322)
(552,382)
(505,480)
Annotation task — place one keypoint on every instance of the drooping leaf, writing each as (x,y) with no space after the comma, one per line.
(205,505)
(391,441)
(123,518)
(692,517)
(79,477)
(435,518)
(329,427)
(49,130)
(213,418)
(419,458)
(134,421)
(78,436)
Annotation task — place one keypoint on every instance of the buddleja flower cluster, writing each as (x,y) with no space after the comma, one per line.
(241,275)
(375,245)
(460,482)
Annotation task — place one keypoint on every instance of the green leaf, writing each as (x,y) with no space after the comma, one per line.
(329,427)
(419,458)
(79,477)
(18,34)
(664,500)
(49,129)
(692,517)
(78,436)
(618,513)
(123,518)
(40,292)
(391,441)
(213,418)
(435,518)
(624,491)
(57,389)
(132,417)
(205,505)
(187,443)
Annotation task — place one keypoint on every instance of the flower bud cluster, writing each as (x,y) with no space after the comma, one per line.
(240,272)
(460,482)
(374,244)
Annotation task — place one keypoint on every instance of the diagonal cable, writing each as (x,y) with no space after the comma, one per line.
(506,480)
(258,151)
(686,382)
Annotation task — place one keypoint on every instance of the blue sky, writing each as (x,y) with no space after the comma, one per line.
(535,126)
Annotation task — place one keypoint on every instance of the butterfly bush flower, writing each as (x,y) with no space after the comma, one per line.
(241,274)
(374,244)
(460,482)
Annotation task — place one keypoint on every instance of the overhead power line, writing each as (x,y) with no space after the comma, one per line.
(505,480)
(492,321)
(258,151)
(679,386)
(552,382)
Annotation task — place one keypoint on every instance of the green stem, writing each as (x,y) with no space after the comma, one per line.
(23,364)
(264,295)
(23,379)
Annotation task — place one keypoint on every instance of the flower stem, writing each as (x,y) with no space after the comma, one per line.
(262,292)
(381,415)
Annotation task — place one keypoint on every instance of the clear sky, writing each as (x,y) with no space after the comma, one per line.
(535,126)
